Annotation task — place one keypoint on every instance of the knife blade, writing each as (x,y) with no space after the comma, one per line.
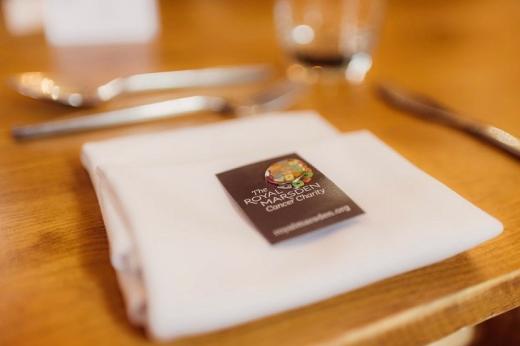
(432,110)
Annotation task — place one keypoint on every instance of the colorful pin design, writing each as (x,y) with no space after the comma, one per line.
(289,173)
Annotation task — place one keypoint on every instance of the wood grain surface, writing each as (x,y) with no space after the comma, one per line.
(56,283)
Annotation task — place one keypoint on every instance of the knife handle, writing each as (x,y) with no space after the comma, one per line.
(137,114)
(491,134)
(499,138)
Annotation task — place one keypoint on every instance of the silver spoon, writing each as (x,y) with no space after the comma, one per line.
(277,97)
(41,86)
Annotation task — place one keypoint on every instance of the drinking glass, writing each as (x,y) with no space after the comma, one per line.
(330,34)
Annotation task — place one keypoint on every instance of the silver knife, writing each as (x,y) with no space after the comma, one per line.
(432,110)
(276,97)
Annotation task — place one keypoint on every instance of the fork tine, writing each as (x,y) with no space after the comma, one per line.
(279,96)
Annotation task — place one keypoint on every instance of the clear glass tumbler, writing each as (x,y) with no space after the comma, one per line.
(332,34)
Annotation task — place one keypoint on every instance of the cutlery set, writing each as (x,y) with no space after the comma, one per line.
(39,86)
(278,96)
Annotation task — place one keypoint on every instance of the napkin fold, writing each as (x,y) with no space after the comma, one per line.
(187,259)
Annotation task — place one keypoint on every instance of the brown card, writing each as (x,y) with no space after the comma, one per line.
(286,196)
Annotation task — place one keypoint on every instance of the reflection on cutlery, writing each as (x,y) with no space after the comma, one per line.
(429,109)
(40,86)
(277,97)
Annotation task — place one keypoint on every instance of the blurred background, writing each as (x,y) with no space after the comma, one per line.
(92,42)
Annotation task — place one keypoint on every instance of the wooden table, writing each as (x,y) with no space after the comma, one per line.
(56,282)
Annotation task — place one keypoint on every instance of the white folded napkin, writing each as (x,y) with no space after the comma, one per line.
(188,260)
(178,146)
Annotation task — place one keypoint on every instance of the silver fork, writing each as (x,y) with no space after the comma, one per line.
(279,96)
